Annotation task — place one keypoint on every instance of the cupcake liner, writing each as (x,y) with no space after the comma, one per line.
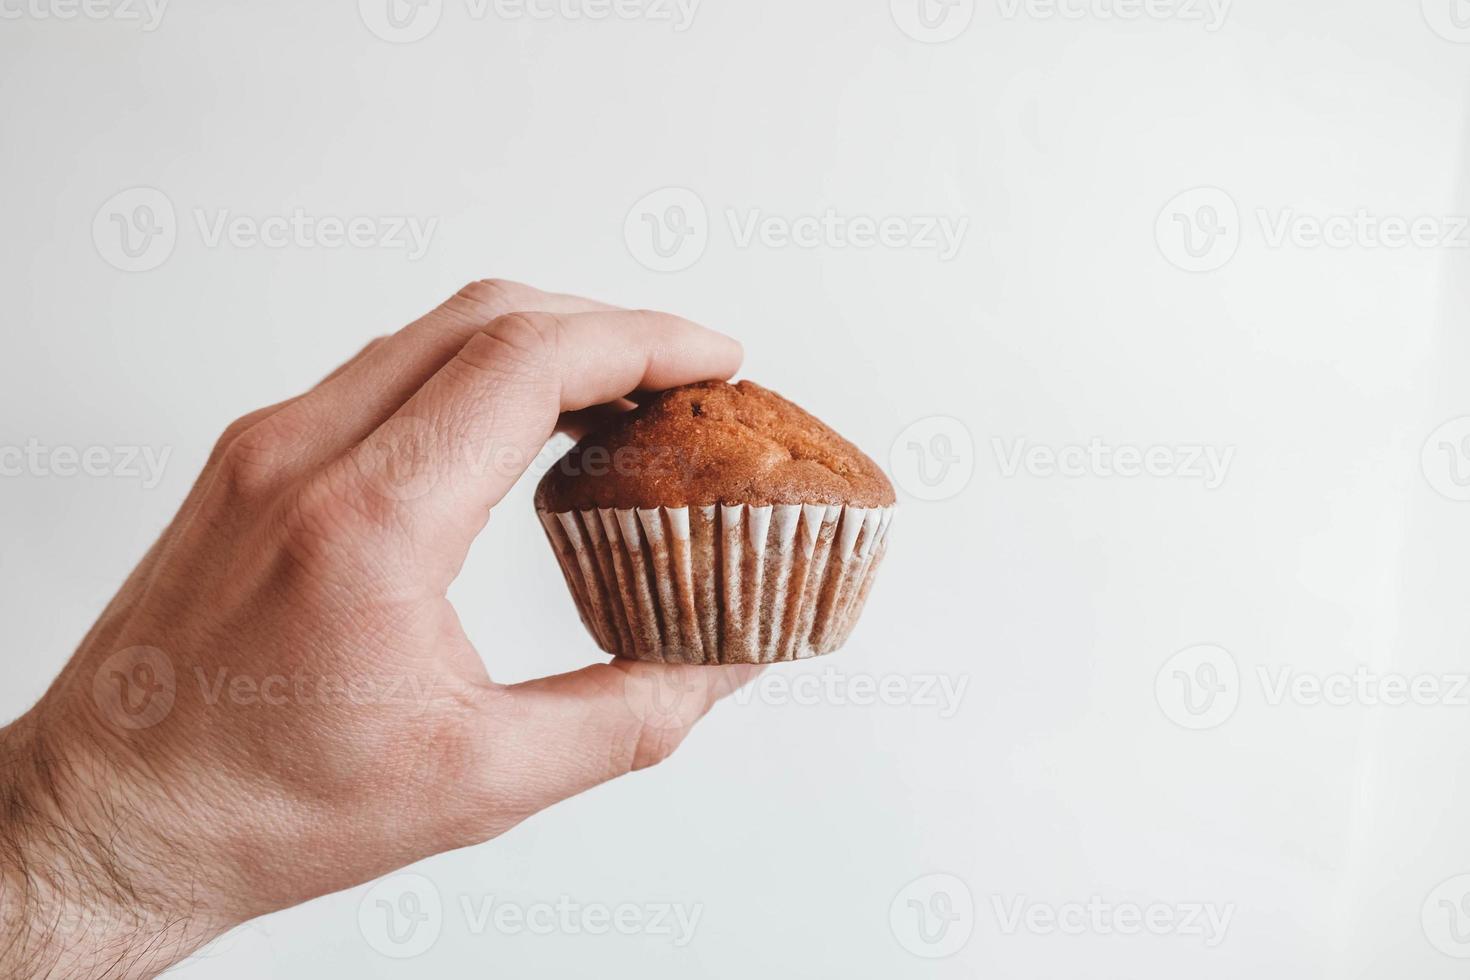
(719,584)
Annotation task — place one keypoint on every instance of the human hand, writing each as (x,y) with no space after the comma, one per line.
(280,702)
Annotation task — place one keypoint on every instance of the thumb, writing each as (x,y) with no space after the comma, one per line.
(570,732)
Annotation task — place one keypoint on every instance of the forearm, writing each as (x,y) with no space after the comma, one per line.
(72,900)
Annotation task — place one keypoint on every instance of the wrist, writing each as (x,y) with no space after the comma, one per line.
(85,887)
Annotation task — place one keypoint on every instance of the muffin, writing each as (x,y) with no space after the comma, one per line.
(717,524)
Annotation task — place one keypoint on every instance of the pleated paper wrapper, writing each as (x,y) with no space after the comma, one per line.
(720,584)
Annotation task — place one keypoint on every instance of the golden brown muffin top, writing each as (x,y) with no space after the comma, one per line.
(713,443)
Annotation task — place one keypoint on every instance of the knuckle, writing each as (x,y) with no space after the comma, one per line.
(516,344)
(493,297)
(534,334)
(249,457)
(232,432)
(653,744)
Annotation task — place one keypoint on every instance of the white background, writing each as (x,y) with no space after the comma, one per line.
(1065,316)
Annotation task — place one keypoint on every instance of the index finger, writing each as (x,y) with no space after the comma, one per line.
(469,433)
